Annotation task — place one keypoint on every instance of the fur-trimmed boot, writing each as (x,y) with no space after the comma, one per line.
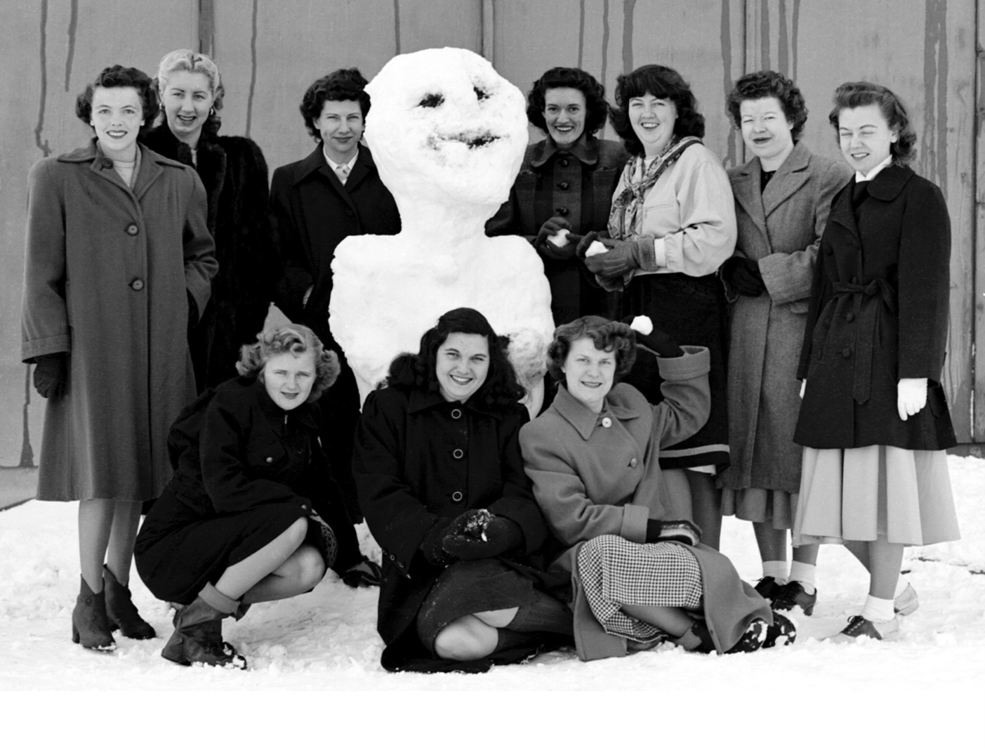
(90,625)
(121,611)
(197,634)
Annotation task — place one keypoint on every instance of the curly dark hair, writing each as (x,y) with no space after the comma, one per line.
(769,84)
(419,371)
(295,339)
(606,335)
(854,94)
(117,76)
(596,109)
(345,84)
(663,83)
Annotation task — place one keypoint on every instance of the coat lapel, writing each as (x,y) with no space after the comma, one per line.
(789,178)
(745,187)
(148,173)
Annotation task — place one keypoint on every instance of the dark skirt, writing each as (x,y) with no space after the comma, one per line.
(175,559)
(692,311)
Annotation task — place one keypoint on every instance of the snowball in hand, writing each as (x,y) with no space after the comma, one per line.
(596,248)
(642,325)
(560,239)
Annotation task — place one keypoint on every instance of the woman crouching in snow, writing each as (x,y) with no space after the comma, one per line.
(639,575)
(241,521)
(440,481)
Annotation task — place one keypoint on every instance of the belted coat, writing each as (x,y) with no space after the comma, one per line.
(107,276)
(878,313)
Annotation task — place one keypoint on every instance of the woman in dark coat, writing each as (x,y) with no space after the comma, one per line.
(118,258)
(874,420)
(565,183)
(235,176)
(243,519)
(440,481)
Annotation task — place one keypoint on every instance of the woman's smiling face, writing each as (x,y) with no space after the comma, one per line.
(865,137)
(589,373)
(564,113)
(462,365)
(653,122)
(117,116)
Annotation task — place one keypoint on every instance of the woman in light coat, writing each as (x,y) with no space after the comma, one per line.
(118,263)
(782,198)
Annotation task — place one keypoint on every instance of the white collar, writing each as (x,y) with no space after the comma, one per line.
(874,171)
(335,166)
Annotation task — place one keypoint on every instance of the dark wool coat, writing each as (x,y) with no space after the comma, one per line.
(779,227)
(878,314)
(107,276)
(419,460)
(234,173)
(245,471)
(312,212)
(576,185)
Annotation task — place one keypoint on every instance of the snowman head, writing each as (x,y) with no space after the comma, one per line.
(446,127)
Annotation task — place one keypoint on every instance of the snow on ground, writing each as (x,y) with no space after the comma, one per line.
(925,690)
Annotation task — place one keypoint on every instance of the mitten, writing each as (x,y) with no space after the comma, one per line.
(682,530)
(656,340)
(481,535)
(546,247)
(911,397)
(743,275)
(51,375)
(431,548)
(622,257)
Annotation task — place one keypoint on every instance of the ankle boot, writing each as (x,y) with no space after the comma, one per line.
(90,626)
(197,635)
(121,611)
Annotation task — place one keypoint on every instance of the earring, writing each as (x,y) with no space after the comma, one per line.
(212,112)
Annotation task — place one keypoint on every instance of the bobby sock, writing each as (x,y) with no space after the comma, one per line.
(777,570)
(877,609)
(805,574)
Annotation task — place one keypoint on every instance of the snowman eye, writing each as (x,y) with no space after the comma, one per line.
(431,101)
(479,93)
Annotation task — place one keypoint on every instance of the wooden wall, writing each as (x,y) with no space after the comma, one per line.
(270,50)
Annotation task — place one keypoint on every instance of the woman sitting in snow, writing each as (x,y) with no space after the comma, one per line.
(440,481)
(639,575)
(241,521)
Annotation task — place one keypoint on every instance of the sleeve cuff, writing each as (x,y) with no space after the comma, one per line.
(695,362)
(634,523)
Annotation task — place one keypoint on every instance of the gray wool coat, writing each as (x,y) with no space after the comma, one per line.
(108,272)
(781,228)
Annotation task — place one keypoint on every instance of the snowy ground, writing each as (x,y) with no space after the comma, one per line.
(927,689)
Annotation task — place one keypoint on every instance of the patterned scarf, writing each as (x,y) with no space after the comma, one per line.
(626,214)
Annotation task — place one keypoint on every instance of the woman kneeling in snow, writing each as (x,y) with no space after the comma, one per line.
(639,575)
(241,521)
(440,481)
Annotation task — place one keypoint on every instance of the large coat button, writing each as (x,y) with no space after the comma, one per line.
(270,459)
(458,454)
(606,422)
(457,496)
(563,162)
(562,211)
(133,229)
(456,414)
(106,163)
(137,284)
(563,185)
(850,317)
(632,462)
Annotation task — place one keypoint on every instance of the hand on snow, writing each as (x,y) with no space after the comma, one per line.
(680,530)
(911,396)
(743,275)
(548,236)
(478,533)
(51,375)
(621,258)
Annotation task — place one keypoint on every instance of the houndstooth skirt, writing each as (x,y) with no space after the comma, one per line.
(616,572)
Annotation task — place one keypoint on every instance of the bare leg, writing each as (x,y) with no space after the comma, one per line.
(673,621)
(859,549)
(300,573)
(886,560)
(95,525)
(772,542)
(806,554)
(466,639)
(239,578)
(119,556)
(706,505)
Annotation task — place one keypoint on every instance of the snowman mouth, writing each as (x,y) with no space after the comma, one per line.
(471,139)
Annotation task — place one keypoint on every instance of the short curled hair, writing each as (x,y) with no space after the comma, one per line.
(345,84)
(605,334)
(862,93)
(596,109)
(419,371)
(117,76)
(294,339)
(184,60)
(663,83)
(767,84)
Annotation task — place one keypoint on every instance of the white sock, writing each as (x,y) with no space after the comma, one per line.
(777,570)
(900,586)
(805,574)
(877,609)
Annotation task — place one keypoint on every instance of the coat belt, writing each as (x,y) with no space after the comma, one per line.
(880,290)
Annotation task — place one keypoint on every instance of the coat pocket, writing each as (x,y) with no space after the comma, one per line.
(267,458)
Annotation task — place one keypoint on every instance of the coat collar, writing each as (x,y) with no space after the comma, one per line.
(152,165)
(585,420)
(420,400)
(315,163)
(889,182)
(585,150)
(789,178)
(304,414)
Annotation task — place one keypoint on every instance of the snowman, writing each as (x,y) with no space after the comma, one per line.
(448,134)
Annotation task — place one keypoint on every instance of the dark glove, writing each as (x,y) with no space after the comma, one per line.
(657,341)
(478,533)
(682,530)
(431,548)
(623,256)
(548,248)
(743,275)
(192,310)
(51,375)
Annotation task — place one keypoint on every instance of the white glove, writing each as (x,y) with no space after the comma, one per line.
(803,388)
(911,396)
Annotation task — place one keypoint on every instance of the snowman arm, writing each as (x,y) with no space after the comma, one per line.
(505,222)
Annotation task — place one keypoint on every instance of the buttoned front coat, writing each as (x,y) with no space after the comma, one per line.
(419,460)
(878,313)
(779,227)
(107,274)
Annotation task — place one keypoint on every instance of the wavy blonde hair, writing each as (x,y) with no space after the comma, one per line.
(296,340)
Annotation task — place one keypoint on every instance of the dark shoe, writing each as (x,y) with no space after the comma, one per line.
(364,573)
(90,626)
(768,588)
(751,640)
(781,632)
(121,611)
(793,594)
(859,627)
(197,636)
